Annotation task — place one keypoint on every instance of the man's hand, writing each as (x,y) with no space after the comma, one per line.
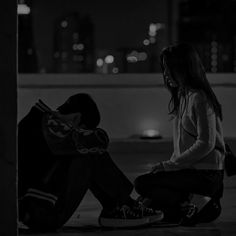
(157,168)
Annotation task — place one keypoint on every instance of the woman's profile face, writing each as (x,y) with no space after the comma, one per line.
(168,77)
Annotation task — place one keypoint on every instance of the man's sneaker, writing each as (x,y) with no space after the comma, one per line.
(189,213)
(126,217)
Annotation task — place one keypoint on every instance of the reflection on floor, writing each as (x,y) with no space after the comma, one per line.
(125,154)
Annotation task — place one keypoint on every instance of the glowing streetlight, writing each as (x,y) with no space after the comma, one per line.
(109,59)
(23,9)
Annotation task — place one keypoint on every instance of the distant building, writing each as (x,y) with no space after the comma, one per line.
(27,58)
(73,44)
(211,26)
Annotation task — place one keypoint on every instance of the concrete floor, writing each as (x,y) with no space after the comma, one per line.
(84,220)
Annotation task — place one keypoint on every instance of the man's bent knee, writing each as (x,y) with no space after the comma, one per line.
(139,185)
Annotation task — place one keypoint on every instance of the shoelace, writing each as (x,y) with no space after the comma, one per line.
(127,210)
(144,209)
(191,211)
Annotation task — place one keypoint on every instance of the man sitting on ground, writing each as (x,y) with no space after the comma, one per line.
(61,155)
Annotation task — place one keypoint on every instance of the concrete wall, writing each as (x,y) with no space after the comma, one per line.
(129,103)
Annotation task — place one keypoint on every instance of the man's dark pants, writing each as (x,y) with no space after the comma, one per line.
(70,179)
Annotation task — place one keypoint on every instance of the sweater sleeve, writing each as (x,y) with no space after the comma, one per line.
(206,135)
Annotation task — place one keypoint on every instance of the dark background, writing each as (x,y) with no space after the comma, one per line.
(119,28)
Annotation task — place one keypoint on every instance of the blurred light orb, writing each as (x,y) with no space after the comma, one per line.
(100,62)
(64,24)
(151,133)
(152,33)
(152,40)
(56,54)
(74,46)
(214,56)
(142,56)
(214,44)
(214,49)
(160,26)
(109,59)
(23,9)
(115,70)
(80,46)
(75,36)
(152,28)
(146,42)
(214,63)
(132,59)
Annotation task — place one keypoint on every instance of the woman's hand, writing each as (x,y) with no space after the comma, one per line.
(157,168)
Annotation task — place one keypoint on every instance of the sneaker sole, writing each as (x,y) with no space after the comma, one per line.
(127,223)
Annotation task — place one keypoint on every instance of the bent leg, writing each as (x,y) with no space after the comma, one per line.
(176,185)
(106,200)
(110,180)
(76,186)
(167,190)
(68,184)
(193,181)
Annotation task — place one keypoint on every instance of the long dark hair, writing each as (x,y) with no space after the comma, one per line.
(183,59)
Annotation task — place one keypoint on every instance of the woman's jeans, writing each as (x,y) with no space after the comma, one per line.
(170,188)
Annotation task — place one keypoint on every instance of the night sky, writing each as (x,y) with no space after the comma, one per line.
(117,23)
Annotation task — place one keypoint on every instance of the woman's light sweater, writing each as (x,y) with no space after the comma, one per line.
(197,137)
